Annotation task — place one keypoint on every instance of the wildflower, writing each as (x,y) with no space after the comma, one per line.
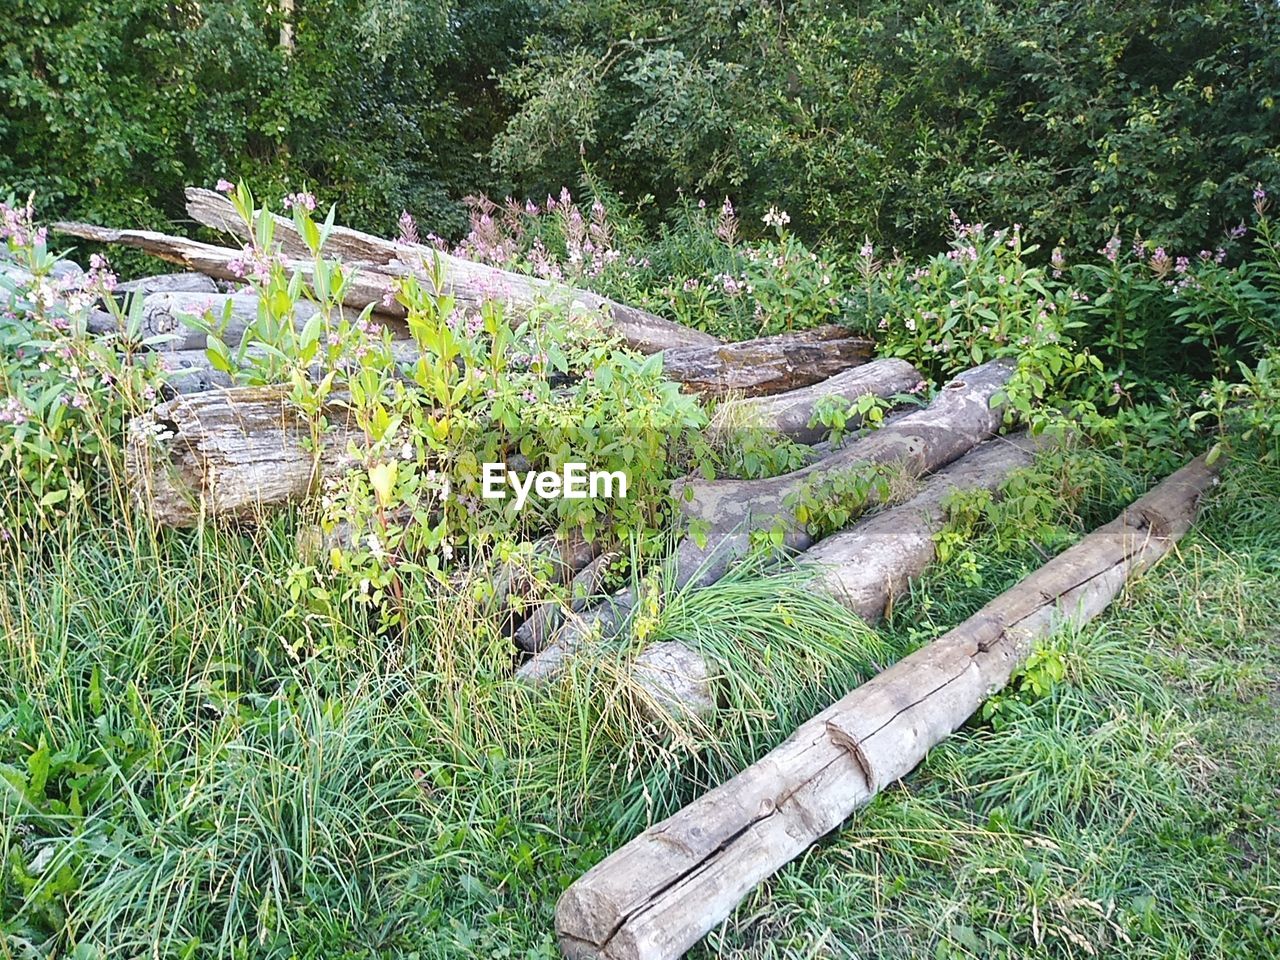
(1182,264)
(1160,262)
(1260,202)
(1238,231)
(302,200)
(408,228)
(868,250)
(1112,248)
(776,218)
(224,185)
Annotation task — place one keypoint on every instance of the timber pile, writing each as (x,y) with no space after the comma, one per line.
(659,894)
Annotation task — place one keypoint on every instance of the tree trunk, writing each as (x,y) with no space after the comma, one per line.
(768,365)
(232,313)
(963,414)
(659,894)
(470,282)
(229,454)
(791,413)
(169,283)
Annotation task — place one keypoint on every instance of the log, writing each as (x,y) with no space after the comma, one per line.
(232,314)
(867,566)
(363,288)
(791,413)
(658,895)
(161,314)
(586,583)
(185,282)
(961,416)
(471,283)
(965,412)
(229,454)
(767,365)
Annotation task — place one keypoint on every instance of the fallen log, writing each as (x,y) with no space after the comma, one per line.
(965,412)
(186,282)
(470,282)
(230,454)
(532,634)
(791,413)
(230,315)
(960,417)
(767,365)
(162,314)
(867,566)
(363,287)
(658,895)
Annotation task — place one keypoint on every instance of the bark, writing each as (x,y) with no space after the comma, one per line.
(769,365)
(169,283)
(659,894)
(470,282)
(790,413)
(229,454)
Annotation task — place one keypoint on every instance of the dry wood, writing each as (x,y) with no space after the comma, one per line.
(791,413)
(659,894)
(229,454)
(767,365)
(470,282)
(230,315)
(364,287)
(869,565)
(186,282)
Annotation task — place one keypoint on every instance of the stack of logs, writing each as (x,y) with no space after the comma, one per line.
(215,451)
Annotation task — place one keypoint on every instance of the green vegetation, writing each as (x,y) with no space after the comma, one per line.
(224,742)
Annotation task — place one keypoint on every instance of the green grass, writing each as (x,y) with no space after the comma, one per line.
(191,768)
(1134,812)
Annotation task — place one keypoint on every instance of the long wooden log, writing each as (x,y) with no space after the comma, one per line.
(470,282)
(884,378)
(961,416)
(230,315)
(659,894)
(865,567)
(767,365)
(792,412)
(186,282)
(965,412)
(229,454)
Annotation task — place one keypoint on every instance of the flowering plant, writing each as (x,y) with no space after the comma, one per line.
(64,395)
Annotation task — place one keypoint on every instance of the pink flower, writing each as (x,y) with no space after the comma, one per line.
(304,200)
(224,186)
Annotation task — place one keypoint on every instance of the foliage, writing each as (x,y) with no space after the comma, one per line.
(64,394)
(110,107)
(875,119)
(699,270)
